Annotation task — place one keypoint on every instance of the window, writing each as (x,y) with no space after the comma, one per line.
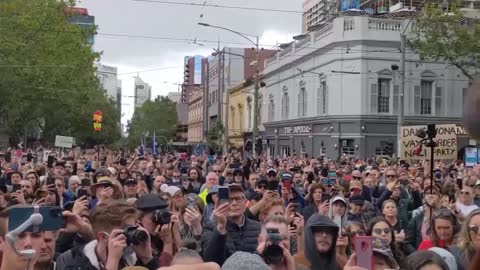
(285,151)
(271,109)
(348,147)
(259,109)
(302,102)
(322,98)
(426,97)
(249,108)
(240,117)
(285,101)
(323,151)
(383,96)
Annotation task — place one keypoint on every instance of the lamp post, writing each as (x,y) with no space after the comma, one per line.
(257,75)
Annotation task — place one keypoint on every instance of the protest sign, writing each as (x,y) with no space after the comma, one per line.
(446,140)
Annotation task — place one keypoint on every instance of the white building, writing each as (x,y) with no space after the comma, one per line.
(317,12)
(108,78)
(143,92)
(175,96)
(345,100)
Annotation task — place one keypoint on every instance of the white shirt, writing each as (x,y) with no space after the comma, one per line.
(465,209)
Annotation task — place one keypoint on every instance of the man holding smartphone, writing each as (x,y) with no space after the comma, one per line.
(231,230)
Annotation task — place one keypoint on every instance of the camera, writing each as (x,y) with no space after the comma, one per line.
(134,235)
(161,216)
(273,253)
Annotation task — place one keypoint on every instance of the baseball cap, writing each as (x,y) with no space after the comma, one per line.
(271,170)
(131,181)
(261,181)
(392,263)
(238,172)
(286,176)
(150,202)
(357,199)
(446,256)
(235,188)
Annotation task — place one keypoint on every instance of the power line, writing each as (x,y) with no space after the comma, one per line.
(220,6)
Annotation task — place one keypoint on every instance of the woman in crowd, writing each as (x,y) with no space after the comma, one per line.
(195,180)
(273,207)
(123,175)
(468,243)
(389,211)
(444,228)
(426,260)
(343,247)
(380,229)
(73,184)
(314,199)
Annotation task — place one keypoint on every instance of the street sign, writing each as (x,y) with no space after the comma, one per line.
(64,141)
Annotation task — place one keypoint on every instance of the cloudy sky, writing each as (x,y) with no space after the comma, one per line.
(136,35)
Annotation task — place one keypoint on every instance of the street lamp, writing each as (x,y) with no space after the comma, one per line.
(257,75)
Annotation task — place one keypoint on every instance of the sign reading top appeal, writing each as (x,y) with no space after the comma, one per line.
(446,140)
(298,129)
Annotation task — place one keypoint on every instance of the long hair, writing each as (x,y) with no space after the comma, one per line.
(464,240)
(311,190)
(443,214)
(397,253)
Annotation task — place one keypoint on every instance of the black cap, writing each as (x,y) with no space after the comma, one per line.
(261,181)
(238,172)
(150,202)
(286,176)
(130,181)
(357,199)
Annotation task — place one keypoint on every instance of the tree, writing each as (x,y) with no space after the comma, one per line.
(448,36)
(215,136)
(159,116)
(48,83)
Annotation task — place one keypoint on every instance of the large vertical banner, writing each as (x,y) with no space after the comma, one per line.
(197,67)
(446,140)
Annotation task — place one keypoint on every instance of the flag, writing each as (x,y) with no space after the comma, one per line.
(141,149)
(154,145)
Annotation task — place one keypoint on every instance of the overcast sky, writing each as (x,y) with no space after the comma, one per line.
(131,32)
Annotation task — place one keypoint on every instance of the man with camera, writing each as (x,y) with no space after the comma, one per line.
(273,248)
(119,242)
(231,230)
(155,217)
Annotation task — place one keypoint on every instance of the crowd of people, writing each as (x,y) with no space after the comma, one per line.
(125,211)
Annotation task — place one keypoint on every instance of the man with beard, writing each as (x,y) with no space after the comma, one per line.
(419,226)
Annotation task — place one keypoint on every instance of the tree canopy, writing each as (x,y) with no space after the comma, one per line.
(448,36)
(47,74)
(159,116)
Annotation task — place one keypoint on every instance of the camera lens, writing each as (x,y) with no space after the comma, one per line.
(273,254)
(135,236)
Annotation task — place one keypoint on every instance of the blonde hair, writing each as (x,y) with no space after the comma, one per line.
(464,239)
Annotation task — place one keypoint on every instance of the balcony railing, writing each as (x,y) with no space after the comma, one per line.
(384,25)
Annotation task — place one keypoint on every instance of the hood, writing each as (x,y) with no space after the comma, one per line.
(338,199)
(320,261)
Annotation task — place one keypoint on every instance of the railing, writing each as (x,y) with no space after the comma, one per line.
(285,52)
(322,31)
(384,25)
(348,24)
(271,60)
(304,41)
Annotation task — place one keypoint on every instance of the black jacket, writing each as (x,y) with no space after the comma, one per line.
(217,248)
(413,234)
(326,260)
(75,259)
(404,206)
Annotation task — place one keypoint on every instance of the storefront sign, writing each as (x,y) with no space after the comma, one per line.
(446,140)
(298,130)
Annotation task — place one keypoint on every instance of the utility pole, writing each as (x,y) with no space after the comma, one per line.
(255,98)
(401,94)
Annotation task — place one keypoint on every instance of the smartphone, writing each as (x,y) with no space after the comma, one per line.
(74,168)
(460,183)
(85,182)
(272,185)
(50,161)
(16,187)
(8,156)
(332,174)
(82,192)
(123,162)
(52,218)
(288,184)
(234,166)
(338,221)
(50,181)
(404,182)
(223,195)
(326,197)
(364,249)
(328,182)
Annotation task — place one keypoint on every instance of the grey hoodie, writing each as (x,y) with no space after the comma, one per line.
(320,261)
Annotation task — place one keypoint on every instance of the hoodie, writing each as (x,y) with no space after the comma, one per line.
(320,261)
(330,210)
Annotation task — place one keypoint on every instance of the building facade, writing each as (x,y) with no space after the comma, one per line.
(317,13)
(175,96)
(195,116)
(143,92)
(80,17)
(335,92)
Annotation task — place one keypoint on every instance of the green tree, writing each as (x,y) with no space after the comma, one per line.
(159,116)
(448,36)
(47,74)
(215,136)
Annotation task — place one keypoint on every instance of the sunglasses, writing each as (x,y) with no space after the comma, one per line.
(385,230)
(357,178)
(262,186)
(217,171)
(343,234)
(357,233)
(474,228)
(391,176)
(465,192)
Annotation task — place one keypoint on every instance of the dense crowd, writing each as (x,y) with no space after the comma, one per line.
(113,210)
